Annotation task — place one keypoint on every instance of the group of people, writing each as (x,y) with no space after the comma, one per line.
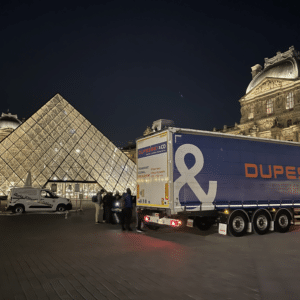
(107,202)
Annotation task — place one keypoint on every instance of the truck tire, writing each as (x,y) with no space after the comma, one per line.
(237,224)
(203,223)
(283,221)
(18,209)
(261,222)
(61,207)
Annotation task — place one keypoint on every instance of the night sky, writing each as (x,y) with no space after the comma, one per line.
(124,64)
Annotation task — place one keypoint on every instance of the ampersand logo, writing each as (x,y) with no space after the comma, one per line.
(188,176)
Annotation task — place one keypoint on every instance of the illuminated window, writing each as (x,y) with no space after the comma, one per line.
(290,100)
(251,112)
(270,106)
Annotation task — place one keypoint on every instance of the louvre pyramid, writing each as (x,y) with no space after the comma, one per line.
(58,144)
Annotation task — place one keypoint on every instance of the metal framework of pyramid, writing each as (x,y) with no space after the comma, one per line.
(57,144)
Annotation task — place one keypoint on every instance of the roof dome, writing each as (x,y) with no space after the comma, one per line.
(9,121)
(283,65)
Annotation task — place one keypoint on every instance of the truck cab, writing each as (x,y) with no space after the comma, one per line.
(35,199)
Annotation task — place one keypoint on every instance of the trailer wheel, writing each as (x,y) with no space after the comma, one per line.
(203,223)
(237,224)
(18,209)
(283,221)
(261,222)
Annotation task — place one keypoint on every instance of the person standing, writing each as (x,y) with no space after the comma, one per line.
(108,202)
(97,205)
(127,211)
(104,200)
(117,216)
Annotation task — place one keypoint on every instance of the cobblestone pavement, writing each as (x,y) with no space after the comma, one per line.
(45,256)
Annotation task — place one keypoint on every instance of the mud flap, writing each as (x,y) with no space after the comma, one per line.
(190,223)
(222,228)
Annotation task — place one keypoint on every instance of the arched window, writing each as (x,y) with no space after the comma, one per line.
(290,100)
(270,107)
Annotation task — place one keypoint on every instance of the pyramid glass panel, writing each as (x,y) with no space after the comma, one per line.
(57,144)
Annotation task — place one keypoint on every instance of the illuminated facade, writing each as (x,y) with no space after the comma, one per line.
(271,106)
(63,150)
(8,123)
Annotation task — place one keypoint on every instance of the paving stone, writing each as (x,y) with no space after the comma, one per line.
(53,258)
(60,290)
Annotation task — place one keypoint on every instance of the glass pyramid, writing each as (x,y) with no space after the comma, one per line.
(58,145)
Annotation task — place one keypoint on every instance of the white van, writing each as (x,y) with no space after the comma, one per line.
(29,199)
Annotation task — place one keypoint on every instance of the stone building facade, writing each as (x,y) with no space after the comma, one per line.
(271,106)
(8,123)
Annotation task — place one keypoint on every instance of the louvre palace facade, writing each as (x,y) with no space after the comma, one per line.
(271,106)
(61,149)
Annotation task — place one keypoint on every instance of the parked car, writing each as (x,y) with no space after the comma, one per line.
(29,199)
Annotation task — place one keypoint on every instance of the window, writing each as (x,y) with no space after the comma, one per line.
(270,106)
(290,101)
(251,112)
(45,194)
(289,123)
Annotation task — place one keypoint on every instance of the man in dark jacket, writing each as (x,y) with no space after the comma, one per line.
(108,206)
(127,211)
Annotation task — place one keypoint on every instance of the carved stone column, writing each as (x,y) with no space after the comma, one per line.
(296,136)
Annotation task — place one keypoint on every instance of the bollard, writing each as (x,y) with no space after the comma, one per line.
(66,216)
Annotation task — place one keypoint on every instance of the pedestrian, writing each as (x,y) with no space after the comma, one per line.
(108,202)
(117,195)
(97,205)
(116,205)
(127,211)
(104,207)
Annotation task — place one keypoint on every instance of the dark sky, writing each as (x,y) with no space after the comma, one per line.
(124,64)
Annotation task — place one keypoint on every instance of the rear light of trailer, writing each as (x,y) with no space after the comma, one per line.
(147,218)
(176,223)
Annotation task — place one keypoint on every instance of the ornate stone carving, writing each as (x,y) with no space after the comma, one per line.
(266,124)
(267,85)
(281,56)
(244,111)
(147,131)
(279,102)
(276,124)
(297,96)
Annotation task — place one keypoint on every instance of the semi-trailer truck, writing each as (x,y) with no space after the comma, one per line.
(199,178)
